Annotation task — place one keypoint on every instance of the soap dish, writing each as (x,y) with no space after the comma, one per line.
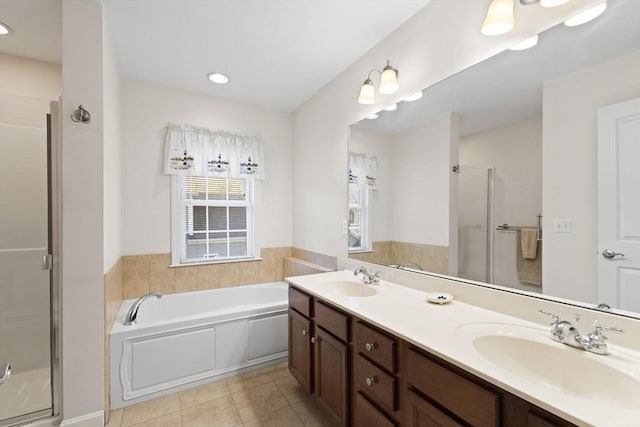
(439,297)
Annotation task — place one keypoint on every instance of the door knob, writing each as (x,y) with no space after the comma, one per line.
(611,254)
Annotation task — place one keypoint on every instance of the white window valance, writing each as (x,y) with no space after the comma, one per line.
(191,150)
(363,170)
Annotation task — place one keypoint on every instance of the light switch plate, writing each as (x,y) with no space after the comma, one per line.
(562,225)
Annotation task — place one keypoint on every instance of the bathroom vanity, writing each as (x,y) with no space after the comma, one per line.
(382,356)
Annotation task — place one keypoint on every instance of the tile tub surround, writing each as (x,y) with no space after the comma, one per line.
(151,273)
(400,309)
(264,397)
(430,257)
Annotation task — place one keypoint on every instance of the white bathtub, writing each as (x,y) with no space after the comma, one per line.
(187,339)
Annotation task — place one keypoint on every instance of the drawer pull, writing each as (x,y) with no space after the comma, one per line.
(305,332)
(371,381)
(313,340)
(370,346)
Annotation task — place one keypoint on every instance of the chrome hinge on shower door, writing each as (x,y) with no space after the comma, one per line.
(47,262)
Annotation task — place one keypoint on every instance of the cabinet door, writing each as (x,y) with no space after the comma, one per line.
(421,413)
(331,377)
(300,349)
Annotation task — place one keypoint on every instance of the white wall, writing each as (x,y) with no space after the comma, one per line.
(515,150)
(112,153)
(570,106)
(379,145)
(418,51)
(146,110)
(421,171)
(82,217)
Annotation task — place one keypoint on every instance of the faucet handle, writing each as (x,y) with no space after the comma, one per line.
(599,328)
(554,316)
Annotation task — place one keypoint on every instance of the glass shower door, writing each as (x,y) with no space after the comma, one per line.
(474,255)
(25,317)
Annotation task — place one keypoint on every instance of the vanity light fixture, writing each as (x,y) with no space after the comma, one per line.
(527,43)
(373,116)
(5,30)
(413,97)
(499,19)
(586,15)
(218,78)
(392,107)
(388,84)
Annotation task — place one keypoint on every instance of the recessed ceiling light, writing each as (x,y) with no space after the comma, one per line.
(392,107)
(373,116)
(527,43)
(586,16)
(218,78)
(5,30)
(413,97)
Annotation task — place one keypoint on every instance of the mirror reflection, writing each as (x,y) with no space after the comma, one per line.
(493,174)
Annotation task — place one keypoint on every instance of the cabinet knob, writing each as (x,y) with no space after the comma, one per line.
(370,346)
(305,332)
(371,381)
(313,340)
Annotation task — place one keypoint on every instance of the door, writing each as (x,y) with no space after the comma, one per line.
(330,376)
(300,349)
(619,205)
(25,315)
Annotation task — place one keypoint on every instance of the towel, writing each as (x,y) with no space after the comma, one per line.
(529,243)
(529,270)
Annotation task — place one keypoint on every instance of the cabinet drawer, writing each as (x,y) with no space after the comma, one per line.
(375,345)
(300,301)
(332,320)
(380,385)
(366,415)
(422,413)
(469,401)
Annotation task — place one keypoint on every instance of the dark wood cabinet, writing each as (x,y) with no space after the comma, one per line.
(363,376)
(331,386)
(300,349)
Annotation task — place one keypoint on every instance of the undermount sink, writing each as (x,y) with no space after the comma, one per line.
(528,353)
(350,288)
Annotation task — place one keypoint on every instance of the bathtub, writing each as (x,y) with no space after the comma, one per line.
(187,339)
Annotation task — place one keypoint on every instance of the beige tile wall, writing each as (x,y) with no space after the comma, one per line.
(430,257)
(148,273)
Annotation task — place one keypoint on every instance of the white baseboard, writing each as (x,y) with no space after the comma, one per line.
(95,419)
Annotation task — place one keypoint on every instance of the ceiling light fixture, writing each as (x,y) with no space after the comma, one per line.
(392,107)
(527,43)
(388,84)
(5,30)
(413,97)
(218,78)
(499,19)
(586,15)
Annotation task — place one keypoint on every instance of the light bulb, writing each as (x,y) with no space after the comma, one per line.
(586,16)
(4,29)
(218,78)
(392,107)
(527,43)
(413,97)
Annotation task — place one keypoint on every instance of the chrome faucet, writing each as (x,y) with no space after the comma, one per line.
(132,314)
(368,278)
(567,333)
(406,265)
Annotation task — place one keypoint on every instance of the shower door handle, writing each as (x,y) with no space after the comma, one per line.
(47,262)
(5,372)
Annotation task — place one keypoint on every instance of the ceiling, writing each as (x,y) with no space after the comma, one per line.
(508,87)
(277,53)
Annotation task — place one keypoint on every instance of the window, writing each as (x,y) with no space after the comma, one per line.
(359,218)
(212,219)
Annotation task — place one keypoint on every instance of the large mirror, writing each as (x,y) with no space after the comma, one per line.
(521,171)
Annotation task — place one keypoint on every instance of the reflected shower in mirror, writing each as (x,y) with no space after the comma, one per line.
(492,175)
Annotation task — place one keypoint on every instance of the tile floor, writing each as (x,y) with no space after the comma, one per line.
(265,397)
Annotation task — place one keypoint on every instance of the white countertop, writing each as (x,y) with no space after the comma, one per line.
(404,312)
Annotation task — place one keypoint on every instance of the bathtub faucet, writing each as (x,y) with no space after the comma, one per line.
(132,315)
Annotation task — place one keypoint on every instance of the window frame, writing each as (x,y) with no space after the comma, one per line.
(366,219)
(178,222)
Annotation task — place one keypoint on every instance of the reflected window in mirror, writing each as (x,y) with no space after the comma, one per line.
(363,181)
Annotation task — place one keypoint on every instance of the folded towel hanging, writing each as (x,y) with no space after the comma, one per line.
(529,243)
